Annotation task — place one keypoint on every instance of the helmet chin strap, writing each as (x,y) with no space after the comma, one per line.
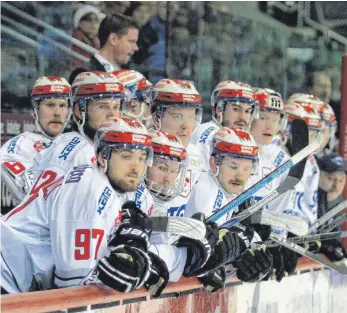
(81,125)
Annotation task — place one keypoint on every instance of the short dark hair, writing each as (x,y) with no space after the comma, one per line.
(115,23)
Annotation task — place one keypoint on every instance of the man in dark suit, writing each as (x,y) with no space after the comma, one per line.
(118,35)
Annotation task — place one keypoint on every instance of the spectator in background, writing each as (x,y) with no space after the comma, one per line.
(118,35)
(140,11)
(86,21)
(117,7)
(319,83)
(152,43)
(333,169)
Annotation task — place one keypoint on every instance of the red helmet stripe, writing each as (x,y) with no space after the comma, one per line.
(131,138)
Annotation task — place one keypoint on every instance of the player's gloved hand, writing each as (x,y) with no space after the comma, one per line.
(334,250)
(254,263)
(198,251)
(290,260)
(264,231)
(278,263)
(225,251)
(125,269)
(213,280)
(313,246)
(159,276)
(135,228)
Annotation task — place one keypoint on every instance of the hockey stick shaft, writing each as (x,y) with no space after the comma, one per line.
(339,267)
(330,226)
(260,184)
(337,209)
(320,237)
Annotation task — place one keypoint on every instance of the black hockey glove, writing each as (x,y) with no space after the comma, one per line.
(333,249)
(290,259)
(225,251)
(159,276)
(278,263)
(213,280)
(198,251)
(135,228)
(264,231)
(254,263)
(125,269)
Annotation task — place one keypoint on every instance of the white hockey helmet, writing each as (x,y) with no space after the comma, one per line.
(95,85)
(175,93)
(272,101)
(229,91)
(235,143)
(299,106)
(168,148)
(122,133)
(47,87)
(137,88)
(305,98)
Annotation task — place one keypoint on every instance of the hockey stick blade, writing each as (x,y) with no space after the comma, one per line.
(336,266)
(293,224)
(337,209)
(321,237)
(288,183)
(183,226)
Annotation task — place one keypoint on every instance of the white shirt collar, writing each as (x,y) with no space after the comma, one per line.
(109,67)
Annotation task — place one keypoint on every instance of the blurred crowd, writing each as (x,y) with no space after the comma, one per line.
(187,40)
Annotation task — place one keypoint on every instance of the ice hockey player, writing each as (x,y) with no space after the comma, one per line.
(70,230)
(270,120)
(306,192)
(138,95)
(234,157)
(96,97)
(51,96)
(165,180)
(176,110)
(233,106)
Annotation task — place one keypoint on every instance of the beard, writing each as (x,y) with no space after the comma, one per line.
(88,130)
(122,185)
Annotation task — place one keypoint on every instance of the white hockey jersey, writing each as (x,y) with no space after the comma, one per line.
(67,150)
(17,157)
(202,138)
(57,234)
(306,192)
(270,157)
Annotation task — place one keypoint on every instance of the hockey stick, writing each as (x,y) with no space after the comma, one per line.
(290,223)
(337,209)
(335,223)
(320,237)
(340,267)
(183,226)
(299,129)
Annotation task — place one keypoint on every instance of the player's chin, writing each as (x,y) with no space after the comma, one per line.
(266,139)
(54,129)
(234,189)
(131,185)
